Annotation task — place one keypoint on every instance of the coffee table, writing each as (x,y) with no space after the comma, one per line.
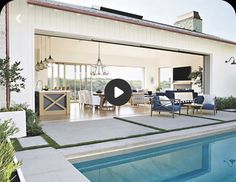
(193,106)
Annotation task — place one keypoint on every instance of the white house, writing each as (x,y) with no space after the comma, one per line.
(125,41)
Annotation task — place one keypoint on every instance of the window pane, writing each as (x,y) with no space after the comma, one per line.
(78,81)
(165,78)
(82,74)
(70,80)
(50,76)
(88,77)
(134,76)
(61,82)
(55,75)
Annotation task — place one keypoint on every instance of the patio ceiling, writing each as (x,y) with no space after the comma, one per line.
(80,47)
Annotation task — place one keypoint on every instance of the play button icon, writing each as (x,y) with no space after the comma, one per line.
(118,92)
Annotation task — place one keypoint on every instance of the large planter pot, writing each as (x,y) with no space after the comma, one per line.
(19,119)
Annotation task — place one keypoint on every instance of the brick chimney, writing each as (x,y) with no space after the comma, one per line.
(191,21)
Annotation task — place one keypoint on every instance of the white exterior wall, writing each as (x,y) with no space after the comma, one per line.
(2,50)
(222,76)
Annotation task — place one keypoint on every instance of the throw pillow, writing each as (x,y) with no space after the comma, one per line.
(209,99)
(165,100)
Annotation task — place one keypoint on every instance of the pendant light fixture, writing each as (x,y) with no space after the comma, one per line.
(42,66)
(99,68)
(39,65)
(50,59)
(45,62)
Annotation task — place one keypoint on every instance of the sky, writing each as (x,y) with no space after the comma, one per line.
(218,16)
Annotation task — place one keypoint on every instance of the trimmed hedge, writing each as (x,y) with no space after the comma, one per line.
(226,103)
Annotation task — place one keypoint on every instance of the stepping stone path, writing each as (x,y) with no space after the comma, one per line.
(32,141)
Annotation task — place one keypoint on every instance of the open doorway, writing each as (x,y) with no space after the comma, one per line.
(146,69)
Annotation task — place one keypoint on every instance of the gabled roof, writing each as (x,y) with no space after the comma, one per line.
(94,12)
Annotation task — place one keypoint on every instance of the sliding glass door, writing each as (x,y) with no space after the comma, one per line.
(73,77)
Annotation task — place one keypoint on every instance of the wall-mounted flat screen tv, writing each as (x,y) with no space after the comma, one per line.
(181,73)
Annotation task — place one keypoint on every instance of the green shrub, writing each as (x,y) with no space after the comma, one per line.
(226,102)
(13,108)
(7,152)
(33,127)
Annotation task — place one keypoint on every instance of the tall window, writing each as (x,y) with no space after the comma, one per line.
(50,76)
(166,75)
(70,78)
(75,77)
(78,76)
(133,75)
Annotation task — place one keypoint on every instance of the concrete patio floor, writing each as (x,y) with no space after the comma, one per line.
(65,133)
(168,123)
(70,133)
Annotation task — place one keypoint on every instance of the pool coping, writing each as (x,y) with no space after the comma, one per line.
(106,149)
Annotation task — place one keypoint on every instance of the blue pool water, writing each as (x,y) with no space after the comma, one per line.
(210,159)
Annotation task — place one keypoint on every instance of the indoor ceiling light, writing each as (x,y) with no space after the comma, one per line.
(50,59)
(37,66)
(45,62)
(41,65)
(99,68)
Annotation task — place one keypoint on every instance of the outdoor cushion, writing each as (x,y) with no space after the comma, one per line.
(174,107)
(209,99)
(208,107)
(165,100)
(156,102)
(199,99)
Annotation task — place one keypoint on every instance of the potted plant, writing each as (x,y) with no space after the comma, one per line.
(196,76)
(11,79)
(46,88)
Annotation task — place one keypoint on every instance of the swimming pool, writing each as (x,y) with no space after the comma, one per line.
(209,159)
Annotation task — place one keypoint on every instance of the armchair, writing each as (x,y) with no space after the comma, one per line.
(163,104)
(208,102)
(92,100)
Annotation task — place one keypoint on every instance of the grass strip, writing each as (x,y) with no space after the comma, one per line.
(50,141)
(109,140)
(184,128)
(16,144)
(133,122)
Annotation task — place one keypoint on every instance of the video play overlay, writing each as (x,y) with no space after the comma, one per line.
(118,92)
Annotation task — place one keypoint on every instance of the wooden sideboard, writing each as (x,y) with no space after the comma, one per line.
(52,102)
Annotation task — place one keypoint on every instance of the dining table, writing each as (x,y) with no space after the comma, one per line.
(103,101)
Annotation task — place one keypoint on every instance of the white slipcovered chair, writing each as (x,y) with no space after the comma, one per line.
(93,99)
(81,97)
(87,98)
